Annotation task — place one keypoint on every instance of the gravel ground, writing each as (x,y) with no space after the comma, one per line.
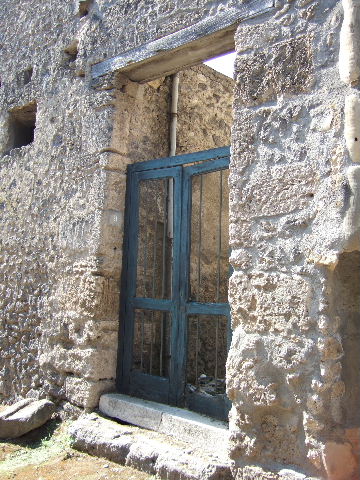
(46,454)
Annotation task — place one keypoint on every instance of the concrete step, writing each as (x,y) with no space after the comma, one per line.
(211,436)
(152,452)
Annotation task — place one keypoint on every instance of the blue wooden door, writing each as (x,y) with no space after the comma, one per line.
(175,316)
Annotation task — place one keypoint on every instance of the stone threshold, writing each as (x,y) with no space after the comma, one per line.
(210,435)
(152,452)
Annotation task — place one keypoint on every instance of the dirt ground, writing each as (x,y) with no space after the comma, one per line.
(46,454)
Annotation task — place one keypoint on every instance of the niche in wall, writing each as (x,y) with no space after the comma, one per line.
(84,7)
(22,125)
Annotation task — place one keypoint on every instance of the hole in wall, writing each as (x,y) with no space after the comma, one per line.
(84,7)
(22,125)
(71,52)
(27,75)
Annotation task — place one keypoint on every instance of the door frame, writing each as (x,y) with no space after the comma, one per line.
(163,168)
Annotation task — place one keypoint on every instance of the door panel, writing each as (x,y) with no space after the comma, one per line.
(151,326)
(175,315)
(209,240)
(154,258)
(152,342)
(205,314)
(207,347)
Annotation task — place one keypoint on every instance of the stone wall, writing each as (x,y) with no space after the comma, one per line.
(211,92)
(62,196)
(293,367)
(52,208)
(293,373)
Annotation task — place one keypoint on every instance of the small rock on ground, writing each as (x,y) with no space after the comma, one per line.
(24,416)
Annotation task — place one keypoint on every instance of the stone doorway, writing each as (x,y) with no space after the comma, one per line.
(176,328)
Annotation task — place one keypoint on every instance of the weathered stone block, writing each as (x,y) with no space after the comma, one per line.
(286,68)
(152,452)
(191,427)
(92,363)
(24,416)
(349,59)
(275,190)
(263,302)
(86,393)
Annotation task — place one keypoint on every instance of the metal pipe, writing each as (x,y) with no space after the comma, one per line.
(173,127)
(174,112)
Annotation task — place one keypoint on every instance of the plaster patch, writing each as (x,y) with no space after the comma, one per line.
(352,126)
(349,55)
(351,225)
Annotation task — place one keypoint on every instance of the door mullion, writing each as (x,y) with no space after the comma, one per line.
(177,342)
(184,283)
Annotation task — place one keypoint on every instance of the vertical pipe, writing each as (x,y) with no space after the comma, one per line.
(173,127)
(173,113)
(169,228)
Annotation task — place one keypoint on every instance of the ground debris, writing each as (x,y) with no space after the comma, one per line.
(46,454)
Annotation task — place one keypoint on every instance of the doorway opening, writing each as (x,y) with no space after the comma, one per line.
(175,314)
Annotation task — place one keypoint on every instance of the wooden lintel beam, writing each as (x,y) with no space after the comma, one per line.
(205,39)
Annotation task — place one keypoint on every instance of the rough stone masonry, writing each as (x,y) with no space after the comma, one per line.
(293,366)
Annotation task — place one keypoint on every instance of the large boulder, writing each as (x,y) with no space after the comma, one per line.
(24,416)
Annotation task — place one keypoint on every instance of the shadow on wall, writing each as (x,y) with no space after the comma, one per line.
(347,308)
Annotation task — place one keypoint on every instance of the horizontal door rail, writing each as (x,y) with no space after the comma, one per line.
(197,308)
(152,304)
(180,159)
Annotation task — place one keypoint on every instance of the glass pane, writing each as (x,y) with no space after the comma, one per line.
(155,240)
(151,352)
(206,354)
(209,258)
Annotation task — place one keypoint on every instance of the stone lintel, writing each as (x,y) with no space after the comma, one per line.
(205,39)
